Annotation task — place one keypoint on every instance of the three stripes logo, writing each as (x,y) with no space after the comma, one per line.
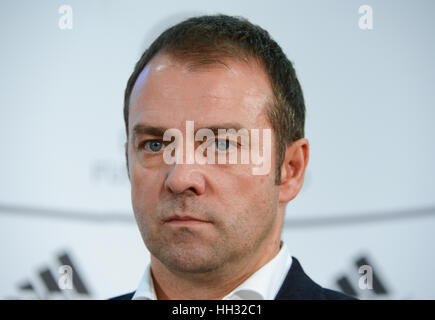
(60,282)
(365,283)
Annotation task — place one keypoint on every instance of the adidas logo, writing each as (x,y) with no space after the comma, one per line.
(61,281)
(365,283)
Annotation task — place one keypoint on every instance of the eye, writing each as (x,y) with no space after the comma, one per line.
(222,145)
(225,145)
(153,145)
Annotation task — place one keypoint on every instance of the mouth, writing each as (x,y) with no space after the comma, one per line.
(184,220)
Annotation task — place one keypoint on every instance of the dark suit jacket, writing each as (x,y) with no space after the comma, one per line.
(296,286)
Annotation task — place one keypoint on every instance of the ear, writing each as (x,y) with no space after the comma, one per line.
(293,170)
(126,158)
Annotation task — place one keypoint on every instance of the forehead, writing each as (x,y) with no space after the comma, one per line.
(169,92)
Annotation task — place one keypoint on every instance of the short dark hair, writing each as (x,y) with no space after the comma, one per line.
(208,39)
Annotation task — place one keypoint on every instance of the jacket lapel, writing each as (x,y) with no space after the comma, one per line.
(298,286)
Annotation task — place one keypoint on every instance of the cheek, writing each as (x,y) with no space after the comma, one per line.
(251,196)
(144,189)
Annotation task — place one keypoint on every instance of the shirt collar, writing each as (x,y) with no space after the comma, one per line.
(264,284)
(145,290)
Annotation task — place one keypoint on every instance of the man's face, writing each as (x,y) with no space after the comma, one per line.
(238,208)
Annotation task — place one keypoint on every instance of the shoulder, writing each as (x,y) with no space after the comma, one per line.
(126,296)
(299,286)
(329,294)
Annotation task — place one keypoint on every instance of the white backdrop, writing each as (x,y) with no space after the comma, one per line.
(369,190)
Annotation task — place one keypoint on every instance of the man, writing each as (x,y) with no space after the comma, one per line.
(214,229)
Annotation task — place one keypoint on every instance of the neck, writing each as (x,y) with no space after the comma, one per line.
(214,285)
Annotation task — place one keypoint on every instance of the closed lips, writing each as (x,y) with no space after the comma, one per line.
(183,218)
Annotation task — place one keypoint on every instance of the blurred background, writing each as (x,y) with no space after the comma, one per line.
(369,197)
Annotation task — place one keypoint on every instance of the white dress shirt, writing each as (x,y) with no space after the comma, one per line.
(264,284)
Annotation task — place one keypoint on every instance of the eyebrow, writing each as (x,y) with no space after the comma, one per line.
(157,131)
(149,130)
(234,126)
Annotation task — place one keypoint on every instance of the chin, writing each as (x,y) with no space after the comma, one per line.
(188,257)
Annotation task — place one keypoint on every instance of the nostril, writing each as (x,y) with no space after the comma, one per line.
(182,178)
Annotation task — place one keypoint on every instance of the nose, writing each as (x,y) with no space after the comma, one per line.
(184,177)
